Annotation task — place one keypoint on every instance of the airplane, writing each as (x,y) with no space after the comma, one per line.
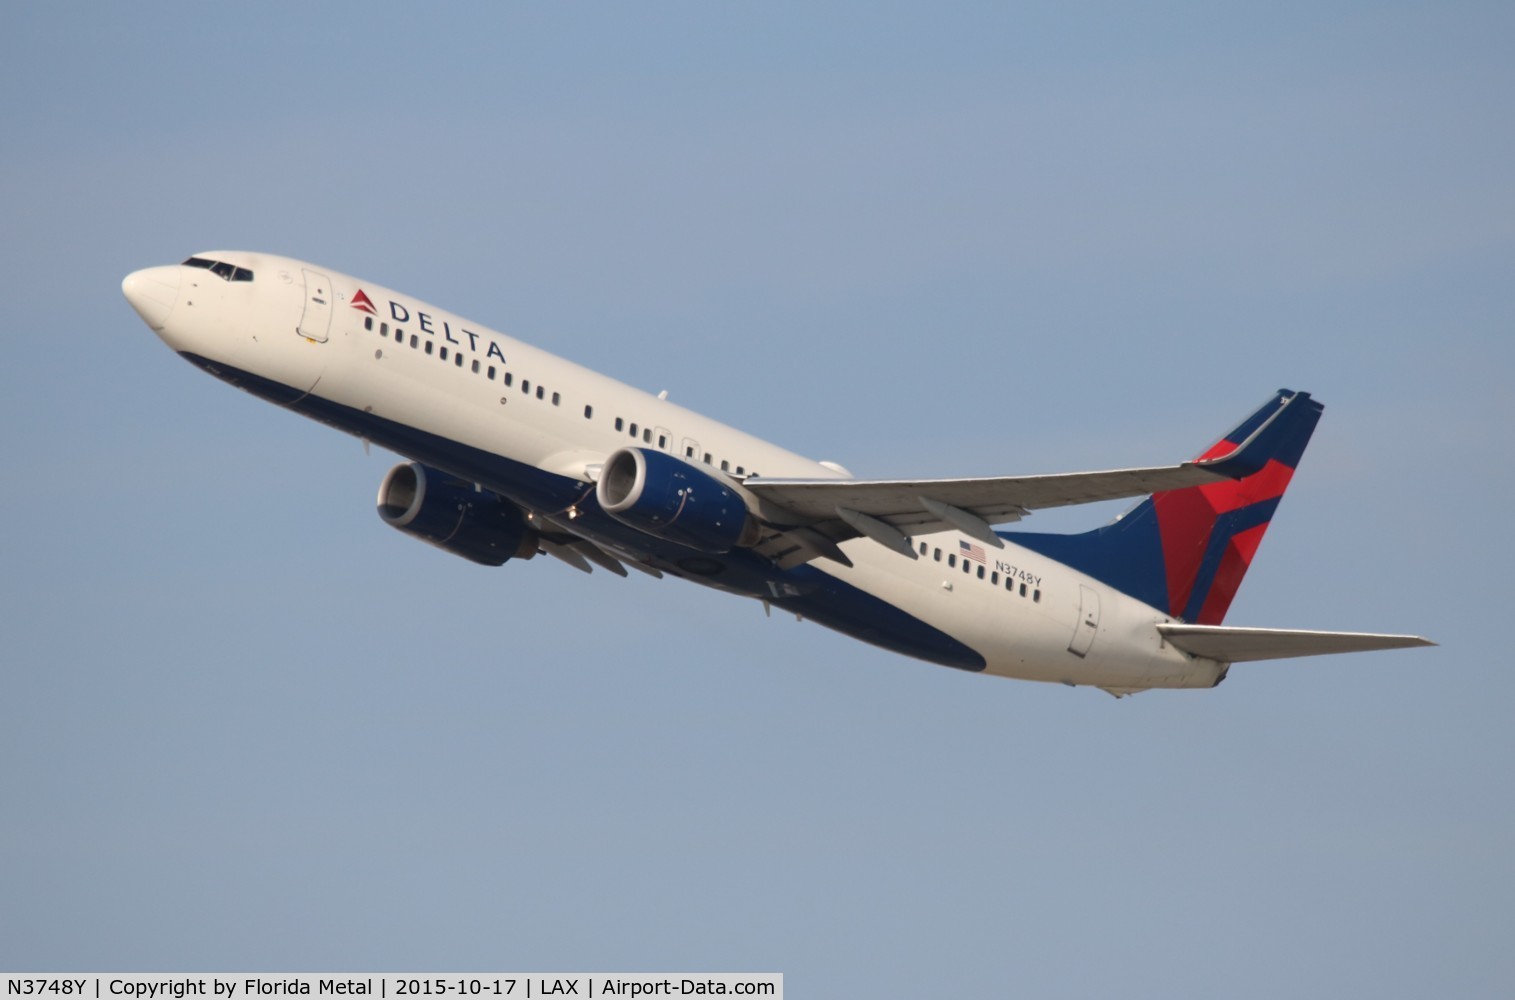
(514,452)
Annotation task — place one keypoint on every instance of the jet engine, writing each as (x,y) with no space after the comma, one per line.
(454,515)
(667,497)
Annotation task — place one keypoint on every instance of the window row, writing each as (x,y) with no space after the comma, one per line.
(658,437)
(973,563)
(460,360)
(647,435)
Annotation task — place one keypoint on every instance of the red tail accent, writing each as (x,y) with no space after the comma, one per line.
(1233,566)
(1187,521)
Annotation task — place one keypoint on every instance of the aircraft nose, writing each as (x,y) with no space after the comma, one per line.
(152,292)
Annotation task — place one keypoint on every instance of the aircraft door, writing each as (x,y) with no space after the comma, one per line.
(1088,621)
(316,320)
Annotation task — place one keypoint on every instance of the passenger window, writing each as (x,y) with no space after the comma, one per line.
(951,559)
(741,471)
(383,329)
(936,554)
(509,377)
(1036,596)
(444,353)
(368,322)
(413,341)
(588,413)
(707,458)
(981,572)
(662,440)
(620,424)
(556,399)
(725,465)
(994,578)
(1023,590)
(647,435)
(428,347)
(633,428)
(526,386)
(539,392)
(967,567)
(476,366)
(491,373)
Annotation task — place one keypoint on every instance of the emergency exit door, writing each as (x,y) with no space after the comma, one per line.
(316,319)
(1088,621)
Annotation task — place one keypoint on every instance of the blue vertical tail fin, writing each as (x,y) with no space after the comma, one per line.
(1185,551)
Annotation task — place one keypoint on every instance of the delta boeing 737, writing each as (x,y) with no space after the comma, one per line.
(514,452)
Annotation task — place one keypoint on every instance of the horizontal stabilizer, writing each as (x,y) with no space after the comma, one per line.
(1239,645)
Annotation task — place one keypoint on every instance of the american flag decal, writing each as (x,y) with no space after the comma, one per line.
(970,551)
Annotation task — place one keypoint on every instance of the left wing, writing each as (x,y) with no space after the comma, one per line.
(812,515)
(994,500)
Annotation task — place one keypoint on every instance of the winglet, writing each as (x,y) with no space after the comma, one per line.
(1277,432)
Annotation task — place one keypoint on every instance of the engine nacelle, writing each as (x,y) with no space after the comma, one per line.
(664,496)
(478,525)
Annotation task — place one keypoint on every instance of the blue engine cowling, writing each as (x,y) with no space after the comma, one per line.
(667,497)
(478,525)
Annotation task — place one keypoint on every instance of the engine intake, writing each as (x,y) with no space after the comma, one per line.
(478,525)
(669,498)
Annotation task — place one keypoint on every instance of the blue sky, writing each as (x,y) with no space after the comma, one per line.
(246,726)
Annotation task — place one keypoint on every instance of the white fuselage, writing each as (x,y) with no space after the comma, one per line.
(454,395)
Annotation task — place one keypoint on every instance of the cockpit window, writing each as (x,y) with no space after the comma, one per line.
(227,271)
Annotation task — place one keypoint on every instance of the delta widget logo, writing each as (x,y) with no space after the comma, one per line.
(362,302)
